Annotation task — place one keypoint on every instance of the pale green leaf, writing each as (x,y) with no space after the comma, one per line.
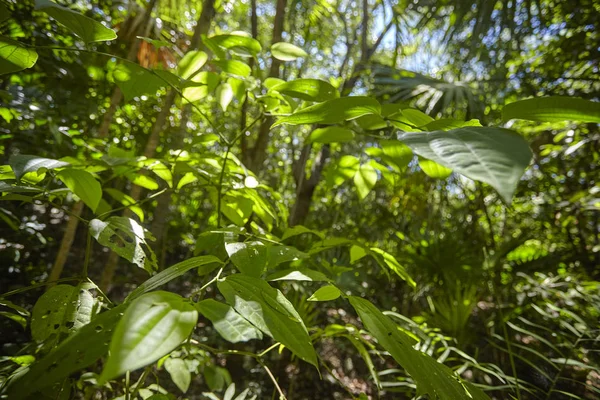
(287,51)
(333,111)
(393,264)
(84,27)
(83,184)
(268,309)
(224,95)
(180,375)
(326,293)
(201,85)
(298,274)
(331,134)
(191,63)
(240,45)
(234,67)
(14,56)
(305,89)
(495,156)
(356,253)
(433,169)
(230,325)
(339,172)
(153,325)
(365,179)
(553,109)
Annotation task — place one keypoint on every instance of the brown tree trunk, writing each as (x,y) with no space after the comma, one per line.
(66,243)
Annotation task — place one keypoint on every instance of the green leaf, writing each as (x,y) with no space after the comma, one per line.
(364,180)
(553,109)
(230,325)
(306,89)
(143,180)
(204,83)
(234,67)
(63,309)
(431,377)
(135,81)
(249,258)
(433,169)
(191,63)
(447,124)
(14,56)
(280,254)
(393,264)
(224,95)
(83,184)
(396,153)
(126,200)
(216,378)
(205,265)
(495,156)
(333,111)
(337,173)
(366,357)
(299,230)
(19,319)
(84,27)
(287,51)
(125,237)
(156,43)
(162,171)
(268,309)
(331,134)
(153,325)
(326,293)
(298,274)
(180,375)
(22,164)
(78,351)
(240,45)
(356,253)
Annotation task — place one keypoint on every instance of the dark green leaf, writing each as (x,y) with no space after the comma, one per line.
(22,164)
(495,156)
(249,258)
(333,111)
(552,109)
(153,325)
(83,184)
(364,180)
(230,325)
(14,56)
(268,309)
(84,27)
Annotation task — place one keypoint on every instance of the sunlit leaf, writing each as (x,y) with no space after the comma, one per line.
(333,111)
(365,179)
(83,184)
(14,56)
(224,95)
(230,325)
(331,134)
(326,293)
(234,67)
(287,51)
(250,257)
(240,45)
(552,109)
(191,63)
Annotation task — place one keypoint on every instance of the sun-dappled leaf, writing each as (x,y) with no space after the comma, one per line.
(333,111)
(230,325)
(15,56)
(180,375)
(433,169)
(364,180)
(234,67)
(191,63)
(224,95)
(325,293)
(268,309)
(344,169)
(305,89)
(495,156)
(135,81)
(552,109)
(240,45)
(393,264)
(152,326)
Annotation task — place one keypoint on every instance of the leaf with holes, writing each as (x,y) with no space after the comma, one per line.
(230,325)
(153,325)
(125,237)
(333,111)
(553,109)
(77,352)
(15,56)
(287,51)
(84,27)
(431,377)
(249,258)
(268,309)
(60,311)
(22,164)
(495,156)
(307,89)
(83,185)
(205,265)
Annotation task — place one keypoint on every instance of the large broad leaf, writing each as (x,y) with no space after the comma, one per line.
(77,352)
(205,265)
(83,184)
(135,81)
(287,51)
(495,156)
(14,56)
(230,325)
(249,258)
(61,311)
(431,377)
(125,237)
(269,310)
(551,109)
(191,63)
(333,111)
(364,180)
(22,164)
(84,27)
(331,134)
(308,89)
(240,45)
(153,325)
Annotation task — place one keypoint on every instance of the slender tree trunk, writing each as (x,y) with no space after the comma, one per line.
(244,112)
(256,156)
(103,131)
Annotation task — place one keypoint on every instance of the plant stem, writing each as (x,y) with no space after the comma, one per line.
(88,251)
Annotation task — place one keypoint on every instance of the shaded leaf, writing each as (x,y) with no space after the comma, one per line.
(83,184)
(393,264)
(135,81)
(553,109)
(230,325)
(305,89)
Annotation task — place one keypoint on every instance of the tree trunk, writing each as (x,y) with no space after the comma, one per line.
(66,243)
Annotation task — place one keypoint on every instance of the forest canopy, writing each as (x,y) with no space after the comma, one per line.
(290,199)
